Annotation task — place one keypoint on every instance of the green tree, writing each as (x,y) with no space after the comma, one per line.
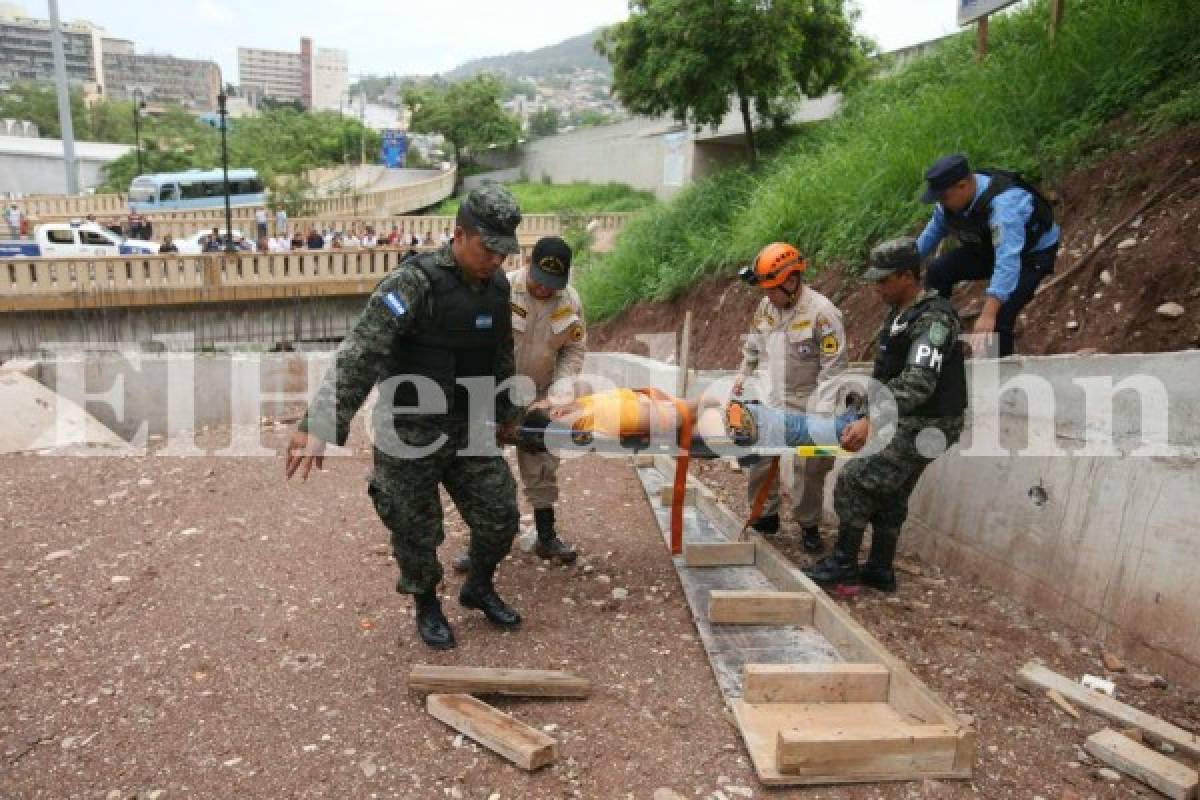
(467,113)
(690,58)
(543,123)
(38,103)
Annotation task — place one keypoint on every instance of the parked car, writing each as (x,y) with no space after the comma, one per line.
(72,240)
(196,242)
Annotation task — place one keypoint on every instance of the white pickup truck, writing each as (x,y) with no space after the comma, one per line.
(73,240)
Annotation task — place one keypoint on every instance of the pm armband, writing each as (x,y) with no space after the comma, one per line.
(930,349)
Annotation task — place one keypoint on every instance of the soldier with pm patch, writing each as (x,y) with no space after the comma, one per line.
(920,363)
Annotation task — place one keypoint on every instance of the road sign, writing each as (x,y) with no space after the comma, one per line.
(394,148)
(971,10)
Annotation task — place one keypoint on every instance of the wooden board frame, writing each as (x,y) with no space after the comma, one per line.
(718,554)
(914,703)
(486,680)
(504,735)
(741,607)
(815,683)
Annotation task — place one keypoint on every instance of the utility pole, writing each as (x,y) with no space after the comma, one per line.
(64,100)
(362,129)
(139,102)
(225,171)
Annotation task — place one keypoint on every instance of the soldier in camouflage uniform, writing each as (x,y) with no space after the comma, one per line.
(435,320)
(920,361)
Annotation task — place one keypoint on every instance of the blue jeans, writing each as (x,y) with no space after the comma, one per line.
(973,263)
(780,428)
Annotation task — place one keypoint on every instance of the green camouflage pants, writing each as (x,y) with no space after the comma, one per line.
(875,490)
(405,493)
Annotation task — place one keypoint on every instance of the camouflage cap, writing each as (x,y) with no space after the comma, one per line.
(889,256)
(494,212)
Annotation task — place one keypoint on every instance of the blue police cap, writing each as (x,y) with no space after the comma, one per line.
(944,173)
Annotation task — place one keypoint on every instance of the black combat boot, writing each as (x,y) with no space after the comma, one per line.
(479,593)
(767,524)
(810,540)
(431,622)
(549,546)
(877,572)
(841,566)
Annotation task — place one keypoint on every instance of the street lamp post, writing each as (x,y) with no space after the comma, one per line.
(139,102)
(225,171)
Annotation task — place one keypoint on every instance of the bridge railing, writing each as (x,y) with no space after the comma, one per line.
(397,200)
(123,281)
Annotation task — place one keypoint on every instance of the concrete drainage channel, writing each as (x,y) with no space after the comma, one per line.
(817,699)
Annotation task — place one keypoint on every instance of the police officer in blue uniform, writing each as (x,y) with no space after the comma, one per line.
(1007,235)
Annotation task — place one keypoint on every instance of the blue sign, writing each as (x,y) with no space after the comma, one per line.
(394,148)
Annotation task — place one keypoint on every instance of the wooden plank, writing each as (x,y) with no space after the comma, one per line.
(524,746)
(1036,677)
(815,683)
(853,749)
(854,643)
(719,554)
(1156,771)
(760,725)
(741,607)
(719,514)
(667,495)
(486,680)
(1062,703)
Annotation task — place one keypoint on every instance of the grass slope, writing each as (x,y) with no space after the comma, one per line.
(836,188)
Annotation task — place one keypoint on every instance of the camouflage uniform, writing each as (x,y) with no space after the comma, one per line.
(875,489)
(920,363)
(405,490)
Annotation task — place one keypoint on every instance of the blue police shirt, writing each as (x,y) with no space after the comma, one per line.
(1009,214)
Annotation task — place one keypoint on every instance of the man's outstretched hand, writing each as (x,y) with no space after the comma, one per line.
(304,451)
(854,435)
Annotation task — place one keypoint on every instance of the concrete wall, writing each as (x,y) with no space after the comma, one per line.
(38,173)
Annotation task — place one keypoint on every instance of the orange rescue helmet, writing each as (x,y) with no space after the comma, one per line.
(775,263)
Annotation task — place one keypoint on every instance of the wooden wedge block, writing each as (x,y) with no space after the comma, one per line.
(1153,769)
(1062,703)
(666,495)
(486,680)
(1036,678)
(524,746)
(741,607)
(719,554)
(855,750)
(815,683)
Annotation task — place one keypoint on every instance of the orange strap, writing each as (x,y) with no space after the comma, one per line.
(681,463)
(764,491)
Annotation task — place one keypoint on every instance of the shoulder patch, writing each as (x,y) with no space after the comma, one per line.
(395,304)
(938,333)
(800,324)
(576,332)
(516,309)
(829,344)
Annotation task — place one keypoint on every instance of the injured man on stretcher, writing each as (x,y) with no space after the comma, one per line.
(635,420)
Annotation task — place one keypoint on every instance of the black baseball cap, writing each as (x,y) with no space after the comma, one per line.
(944,173)
(551,262)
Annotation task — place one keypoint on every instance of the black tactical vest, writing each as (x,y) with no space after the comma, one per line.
(971,227)
(949,399)
(461,338)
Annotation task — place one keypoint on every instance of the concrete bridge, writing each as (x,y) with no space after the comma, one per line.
(216,301)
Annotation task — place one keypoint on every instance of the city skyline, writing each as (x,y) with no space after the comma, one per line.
(423,44)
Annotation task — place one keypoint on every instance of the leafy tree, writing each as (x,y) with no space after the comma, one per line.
(38,103)
(589,118)
(690,58)
(468,114)
(543,123)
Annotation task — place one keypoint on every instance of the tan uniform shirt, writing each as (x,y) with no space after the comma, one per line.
(803,346)
(549,336)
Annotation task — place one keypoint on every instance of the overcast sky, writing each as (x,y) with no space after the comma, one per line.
(405,37)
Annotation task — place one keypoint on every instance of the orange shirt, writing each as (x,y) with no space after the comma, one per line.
(623,412)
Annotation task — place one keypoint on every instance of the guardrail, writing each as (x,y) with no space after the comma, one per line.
(41,284)
(532,225)
(397,200)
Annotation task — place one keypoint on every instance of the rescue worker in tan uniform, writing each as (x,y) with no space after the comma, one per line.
(550,341)
(799,334)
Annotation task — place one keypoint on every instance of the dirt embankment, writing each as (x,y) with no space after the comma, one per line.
(1110,305)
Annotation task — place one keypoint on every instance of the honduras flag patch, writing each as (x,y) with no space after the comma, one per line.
(395,304)
(483,322)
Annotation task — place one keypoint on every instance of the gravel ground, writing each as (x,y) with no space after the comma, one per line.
(196,627)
